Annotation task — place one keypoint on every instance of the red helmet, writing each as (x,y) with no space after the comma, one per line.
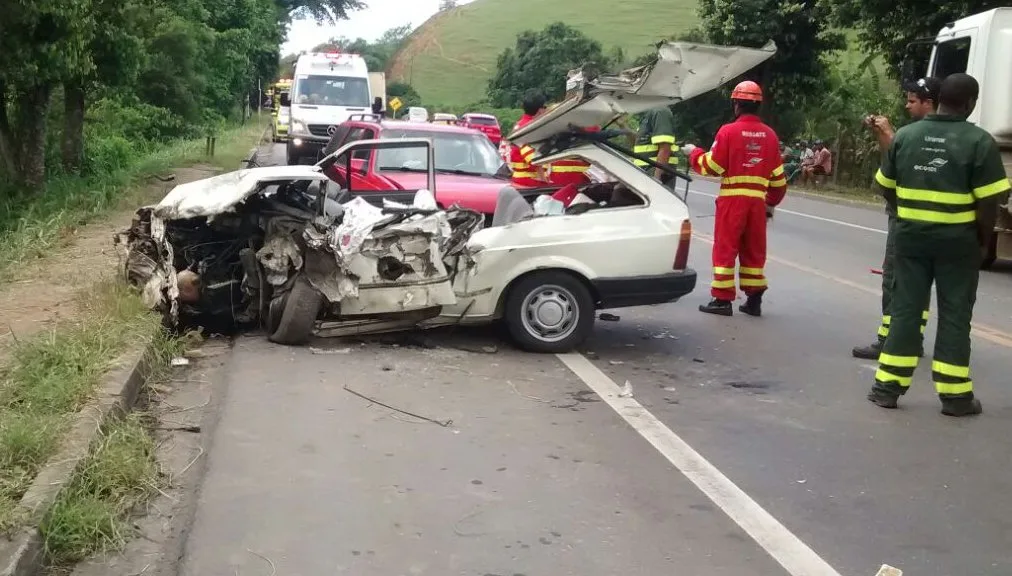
(747,90)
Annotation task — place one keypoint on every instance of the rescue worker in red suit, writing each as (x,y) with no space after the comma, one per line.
(746,155)
(526,175)
(571,171)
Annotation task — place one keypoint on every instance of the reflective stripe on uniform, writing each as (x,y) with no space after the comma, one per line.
(751,271)
(531,175)
(722,284)
(950,198)
(991,189)
(568,168)
(742,192)
(722,270)
(527,153)
(951,379)
(778,171)
(920,215)
(710,164)
(897,370)
(662,140)
(753,282)
(757,180)
(883,181)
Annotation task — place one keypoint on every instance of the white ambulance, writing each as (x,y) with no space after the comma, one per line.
(327,88)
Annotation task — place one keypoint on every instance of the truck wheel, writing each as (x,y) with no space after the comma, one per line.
(300,309)
(549,312)
(291,156)
(992,254)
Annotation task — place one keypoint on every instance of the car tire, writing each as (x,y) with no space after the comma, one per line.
(549,312)
(291,156)
(298,316)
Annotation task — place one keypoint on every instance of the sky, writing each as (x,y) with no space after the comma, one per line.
(370,23)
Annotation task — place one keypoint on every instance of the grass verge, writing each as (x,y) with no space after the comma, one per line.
(74,201)
(50,376)
(91,514)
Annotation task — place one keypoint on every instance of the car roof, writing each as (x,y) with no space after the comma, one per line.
(425,127)
(480,115)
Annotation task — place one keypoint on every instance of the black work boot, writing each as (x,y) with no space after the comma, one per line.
(883,398)
(959,407)
(718,307)
(753,306)
(869,352)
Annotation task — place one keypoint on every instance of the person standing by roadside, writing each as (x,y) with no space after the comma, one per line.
(526,175)
(656,140)
(922,99)
(746,155)
(947,180)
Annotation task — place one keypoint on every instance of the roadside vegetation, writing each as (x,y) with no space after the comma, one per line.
(91,515)
(50,376)
(33,229)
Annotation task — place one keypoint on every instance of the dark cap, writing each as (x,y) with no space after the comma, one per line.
(926,88)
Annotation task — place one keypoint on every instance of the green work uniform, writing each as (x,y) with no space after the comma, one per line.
(938,168)
(656,128)
(888,280)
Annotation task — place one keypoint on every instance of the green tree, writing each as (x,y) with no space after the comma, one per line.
(115,52)
(887,28)
(541,60)
(320,10)
(405,92)
(800,29)
(42,42)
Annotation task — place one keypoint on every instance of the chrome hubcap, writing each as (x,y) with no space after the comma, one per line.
(550,313)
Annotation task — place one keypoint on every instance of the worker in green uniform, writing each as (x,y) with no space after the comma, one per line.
(656,140)
(946,178)
(922,99)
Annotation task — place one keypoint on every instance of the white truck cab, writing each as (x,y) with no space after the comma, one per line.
(327,88)
(981,46)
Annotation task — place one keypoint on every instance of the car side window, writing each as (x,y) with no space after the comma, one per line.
(362,134)
(337,139)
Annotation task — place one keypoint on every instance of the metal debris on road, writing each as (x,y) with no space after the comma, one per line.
(444,424)
(180,362)
(526,396)
(616,362)
(606,317)
(627,390)
(699,360)
(325,351)
(887,570)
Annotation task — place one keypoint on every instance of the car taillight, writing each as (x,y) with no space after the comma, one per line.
(682,254)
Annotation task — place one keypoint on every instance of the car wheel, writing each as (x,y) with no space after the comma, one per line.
(549,312)
(298,314)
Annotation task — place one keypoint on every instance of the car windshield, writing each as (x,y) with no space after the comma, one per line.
(456,152)
(480,121)
(332,91)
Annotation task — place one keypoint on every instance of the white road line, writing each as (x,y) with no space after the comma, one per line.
(786,548)
(810,216)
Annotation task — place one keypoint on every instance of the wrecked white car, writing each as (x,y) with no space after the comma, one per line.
(287,249)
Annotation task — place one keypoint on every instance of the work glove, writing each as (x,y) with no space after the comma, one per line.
(769,212)
(688,148)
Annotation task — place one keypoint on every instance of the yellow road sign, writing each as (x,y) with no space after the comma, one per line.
(395,103)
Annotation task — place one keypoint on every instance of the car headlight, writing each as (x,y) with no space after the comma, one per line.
(298,126)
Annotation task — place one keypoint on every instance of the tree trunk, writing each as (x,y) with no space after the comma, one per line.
(29,137)
(7,153)
(72,146)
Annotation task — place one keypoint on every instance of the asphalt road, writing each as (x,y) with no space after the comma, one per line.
(747,446)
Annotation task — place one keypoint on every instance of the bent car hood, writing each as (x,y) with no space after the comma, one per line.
(221,193)
(683,70)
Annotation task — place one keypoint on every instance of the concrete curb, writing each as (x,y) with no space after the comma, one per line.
(23,554)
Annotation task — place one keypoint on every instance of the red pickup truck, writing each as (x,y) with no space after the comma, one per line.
(469,170)
(484,123)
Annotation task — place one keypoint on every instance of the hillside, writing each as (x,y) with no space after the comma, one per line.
(450,58)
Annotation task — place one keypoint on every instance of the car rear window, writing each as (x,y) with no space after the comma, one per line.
(483,121)
(465,152)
